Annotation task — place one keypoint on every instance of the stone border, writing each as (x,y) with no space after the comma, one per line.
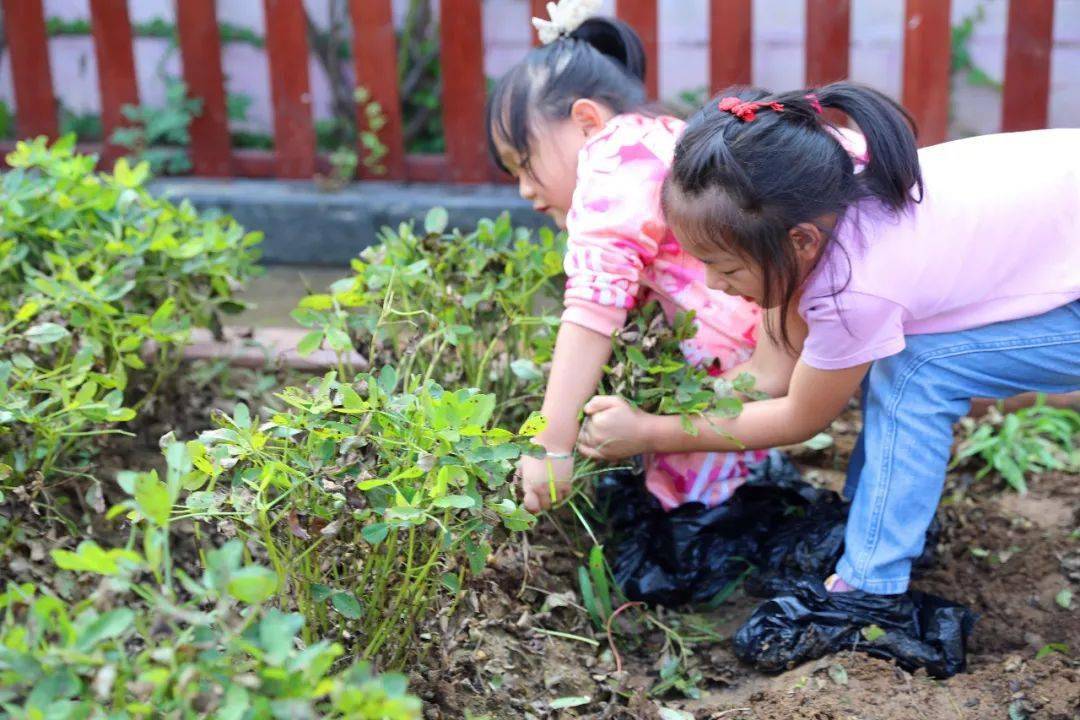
(306,226)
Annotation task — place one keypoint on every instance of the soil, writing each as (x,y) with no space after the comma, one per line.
(1005,555)
(495,656)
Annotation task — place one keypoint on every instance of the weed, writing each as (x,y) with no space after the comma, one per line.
(1030,441)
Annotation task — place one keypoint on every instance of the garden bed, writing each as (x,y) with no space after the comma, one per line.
(190,538)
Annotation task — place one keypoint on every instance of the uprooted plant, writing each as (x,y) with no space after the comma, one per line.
(96,275)
(648,368)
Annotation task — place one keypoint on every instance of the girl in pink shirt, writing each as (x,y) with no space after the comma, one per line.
(925,277)
(566,122)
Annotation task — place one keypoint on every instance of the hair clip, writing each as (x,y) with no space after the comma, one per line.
(815,103)
(746,111)
(565,16)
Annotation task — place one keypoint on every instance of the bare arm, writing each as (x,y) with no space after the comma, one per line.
(616,430)
(772,362)
(576,368)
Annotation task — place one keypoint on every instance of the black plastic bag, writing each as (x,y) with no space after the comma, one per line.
(775,524)
(783,537)
(807,622)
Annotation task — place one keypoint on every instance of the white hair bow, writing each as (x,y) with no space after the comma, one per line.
(566,16)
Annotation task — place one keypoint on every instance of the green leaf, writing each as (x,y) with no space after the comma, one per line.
(533,426)
(45,333)
(436,221)
(526,369)
(454,501)
(570,701)
(277,631)
(375,533)
(253,584)
(347,604)
(1064,599)
(1052,648)
(106,627)
(90,557)
(872,633)
(152,498)
(309,343)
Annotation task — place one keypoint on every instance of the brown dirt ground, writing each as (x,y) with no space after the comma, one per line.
(1006,556)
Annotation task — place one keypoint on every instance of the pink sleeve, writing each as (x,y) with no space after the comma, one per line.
(851,329)
(614,230)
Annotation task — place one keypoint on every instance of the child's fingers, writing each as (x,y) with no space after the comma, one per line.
(599,403)
(531,501)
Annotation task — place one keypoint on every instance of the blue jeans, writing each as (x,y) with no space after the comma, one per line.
(910,402)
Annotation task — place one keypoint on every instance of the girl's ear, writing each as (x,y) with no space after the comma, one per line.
(589,116)
(808,240)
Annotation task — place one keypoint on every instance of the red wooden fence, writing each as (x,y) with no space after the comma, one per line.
(925,75)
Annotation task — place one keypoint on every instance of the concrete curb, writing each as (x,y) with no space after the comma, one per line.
(306,226)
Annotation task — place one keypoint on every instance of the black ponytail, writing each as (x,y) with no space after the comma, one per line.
(892,171)
(603,59)
(743,176)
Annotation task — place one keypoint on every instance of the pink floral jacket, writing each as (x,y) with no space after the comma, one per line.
(621,255)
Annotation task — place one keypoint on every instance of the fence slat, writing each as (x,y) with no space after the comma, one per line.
(730,43)
(200,50)
(828,33)
(115,56)
(537,9)
(927,49)
(462,56)
(35,106)
(287,46)
(375,58)
(1029,41)
(642,16)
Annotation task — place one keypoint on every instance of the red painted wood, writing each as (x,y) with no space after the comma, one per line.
(35,106)
(375,62)
(537,9)
(463,93)
(200,48)
(730,43)
(111,27)
(828,31)
(642,16)
(1028,43)
(294,129)
(927,48)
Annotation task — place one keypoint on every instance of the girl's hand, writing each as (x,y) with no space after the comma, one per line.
(538,475)
(614,430)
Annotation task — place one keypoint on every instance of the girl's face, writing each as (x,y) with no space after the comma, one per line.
(547,177)
(731,274)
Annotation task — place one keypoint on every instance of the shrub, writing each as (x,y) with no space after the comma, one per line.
(172,645)
(95,273)
(462,309)
(372,502)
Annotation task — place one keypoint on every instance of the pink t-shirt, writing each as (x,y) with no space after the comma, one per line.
(996,237)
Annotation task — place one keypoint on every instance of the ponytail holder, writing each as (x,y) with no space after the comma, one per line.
(746,111)
(565,16)
(815,103)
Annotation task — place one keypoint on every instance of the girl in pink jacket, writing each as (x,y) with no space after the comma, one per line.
(567,122)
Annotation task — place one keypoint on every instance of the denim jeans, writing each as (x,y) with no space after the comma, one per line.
(910,402)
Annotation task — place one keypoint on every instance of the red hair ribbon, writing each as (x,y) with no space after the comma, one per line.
(815,103)
(746,111)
